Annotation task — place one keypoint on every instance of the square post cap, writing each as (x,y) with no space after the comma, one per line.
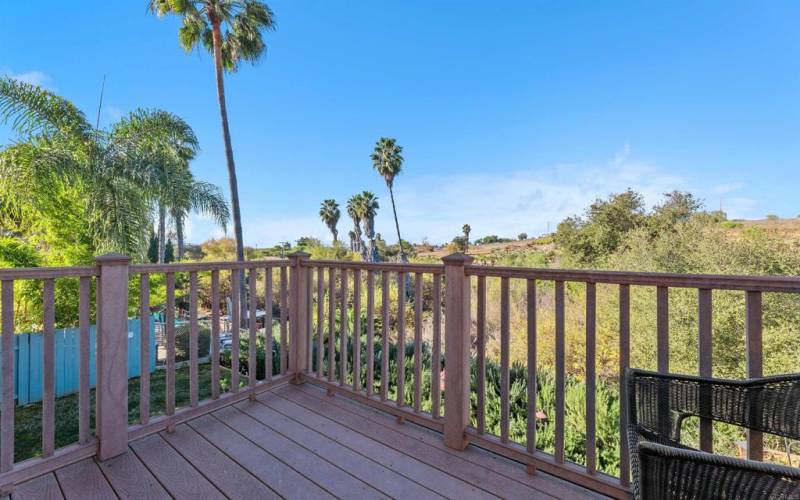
(112,259)
(299,255)
(457,259)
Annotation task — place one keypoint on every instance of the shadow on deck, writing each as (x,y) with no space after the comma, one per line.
(296,442)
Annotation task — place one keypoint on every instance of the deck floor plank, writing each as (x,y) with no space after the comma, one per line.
(409,466)
(284,480)
(456,466)
(514,471)
(228,476)
(381,477)
(129,478)
(177,475)
(297,442)
(41,488)
(84,481)
(337,481)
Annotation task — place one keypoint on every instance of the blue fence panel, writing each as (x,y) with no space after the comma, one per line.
(29,358)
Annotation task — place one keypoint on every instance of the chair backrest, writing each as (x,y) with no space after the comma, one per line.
(769,404)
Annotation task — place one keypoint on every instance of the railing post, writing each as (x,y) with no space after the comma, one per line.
(298,316)
(457,347)
(112,355)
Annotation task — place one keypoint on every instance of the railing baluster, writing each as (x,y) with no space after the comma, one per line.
(417,342)
(194,371)
(236,324)
(215,334)
(356,330)
(481,354)
(624,363)
(284,319)
(320,319)
(48,369)
(343,330)
(384,335)
(591,327)
(144,347)
(436,354)
(401,339)
(754,358)
(559,437)
(662,328)
(268,340)
(505,338)
(531,427)
(370,332)
(704,307)
(309,292)
(7,414)
(85,287)
(331,324)
(252,360)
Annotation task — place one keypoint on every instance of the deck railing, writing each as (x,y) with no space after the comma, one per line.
(320,326)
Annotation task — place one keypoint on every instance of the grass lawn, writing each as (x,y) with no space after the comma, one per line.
(28,419)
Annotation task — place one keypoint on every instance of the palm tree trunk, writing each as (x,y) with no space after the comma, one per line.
(179,236)
(162,232)
(226,137)
(397,226)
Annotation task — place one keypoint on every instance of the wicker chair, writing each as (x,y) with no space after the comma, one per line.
(663,468)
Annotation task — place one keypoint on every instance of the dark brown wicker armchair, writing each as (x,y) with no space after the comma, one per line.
(663,468)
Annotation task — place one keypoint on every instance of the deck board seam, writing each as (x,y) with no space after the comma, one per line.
(425,464)
(312,452)
(221,451)
(245,469)
(58,483)
(422,443)
(131,450)
(379,418)
(271,454)
(184,458)
(111,484)
(354,450)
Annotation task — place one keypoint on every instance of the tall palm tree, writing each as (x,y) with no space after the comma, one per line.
(466,229)
(232,30)
(369,209)
(355,209)
(387,159)
(329,213)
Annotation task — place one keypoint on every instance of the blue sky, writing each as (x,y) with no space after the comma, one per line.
(512,114)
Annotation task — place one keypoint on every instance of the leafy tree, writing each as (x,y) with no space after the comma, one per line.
(387,159)
(169,253)
(232,31)
(603,227)
(522,236)
(329,213)
(677,207)
(152,250)
(459,244)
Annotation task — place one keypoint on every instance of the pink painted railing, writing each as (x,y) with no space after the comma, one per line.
(315,348)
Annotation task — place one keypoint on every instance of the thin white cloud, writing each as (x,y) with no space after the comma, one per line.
(727,188)
(497,202)
(34,77)
(112,113)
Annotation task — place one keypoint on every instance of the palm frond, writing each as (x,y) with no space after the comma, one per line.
(31,110)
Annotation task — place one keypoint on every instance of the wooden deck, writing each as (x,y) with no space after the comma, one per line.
(297,442)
